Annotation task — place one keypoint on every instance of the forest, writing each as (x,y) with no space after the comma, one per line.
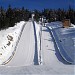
(10,16)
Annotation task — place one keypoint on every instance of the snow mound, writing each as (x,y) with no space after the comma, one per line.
(38,35)
(8,42)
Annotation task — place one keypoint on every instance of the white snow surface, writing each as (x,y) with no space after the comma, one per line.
(24,55)
(66,37)
(38,35)
(52,62)
(54,25)
(8,40)
(73,25)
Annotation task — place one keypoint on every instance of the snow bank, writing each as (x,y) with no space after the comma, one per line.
(72,25)
(38,34)
(65,40)
(8,41)
(62,51)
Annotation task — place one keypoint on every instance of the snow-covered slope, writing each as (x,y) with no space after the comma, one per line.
(38,36)
(24,55)
(8,41)
(66,37)
(65,40)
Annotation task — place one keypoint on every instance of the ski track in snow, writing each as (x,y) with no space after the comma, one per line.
(50,51)
(24,55)
(47,46)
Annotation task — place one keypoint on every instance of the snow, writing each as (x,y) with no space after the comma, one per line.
(24,55)
(8,41)
(65,38)
(36,48)
(54,25)
(38,35)
(73,25)
(24,52)
(48,49)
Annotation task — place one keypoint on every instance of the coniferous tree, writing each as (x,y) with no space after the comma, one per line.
(10,16)
(2,18)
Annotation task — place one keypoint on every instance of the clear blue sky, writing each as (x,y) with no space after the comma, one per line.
(38,4)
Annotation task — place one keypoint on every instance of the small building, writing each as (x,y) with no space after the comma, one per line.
(66,23)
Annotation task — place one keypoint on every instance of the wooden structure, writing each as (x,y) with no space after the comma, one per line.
(66,23)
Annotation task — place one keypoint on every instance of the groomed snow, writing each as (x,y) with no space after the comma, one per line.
(24,55)
(52,62)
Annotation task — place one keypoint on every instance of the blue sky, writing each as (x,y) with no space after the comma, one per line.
(38,4)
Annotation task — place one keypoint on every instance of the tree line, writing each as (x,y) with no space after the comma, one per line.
(10,16)
(56,15)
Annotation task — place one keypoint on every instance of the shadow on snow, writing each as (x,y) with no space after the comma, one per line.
(56,49)
(36,52)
